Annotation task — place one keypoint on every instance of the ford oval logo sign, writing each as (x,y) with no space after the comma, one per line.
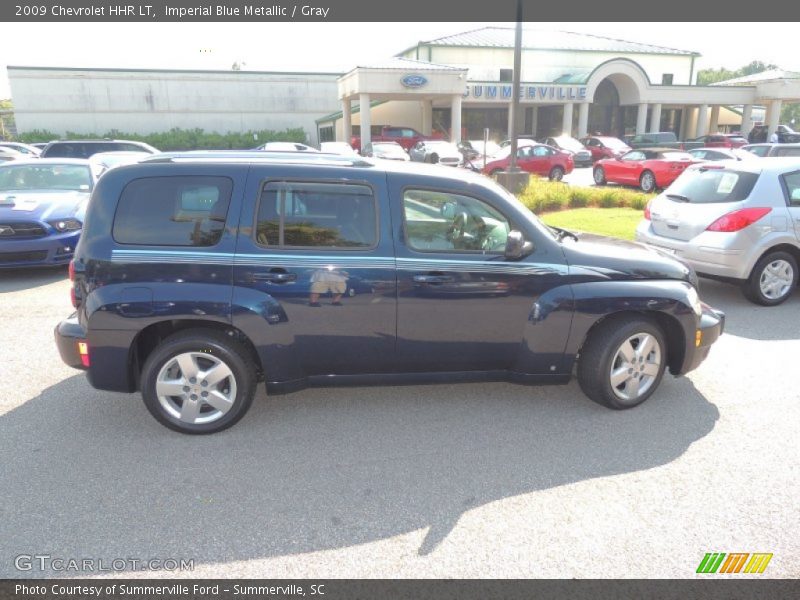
(414,81)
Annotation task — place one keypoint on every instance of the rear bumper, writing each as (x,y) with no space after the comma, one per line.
(710,327)
(69,334)
(705,254)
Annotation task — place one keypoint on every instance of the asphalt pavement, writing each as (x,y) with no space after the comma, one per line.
(467,480)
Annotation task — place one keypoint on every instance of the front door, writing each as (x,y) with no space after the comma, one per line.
(461,305)
(315,261)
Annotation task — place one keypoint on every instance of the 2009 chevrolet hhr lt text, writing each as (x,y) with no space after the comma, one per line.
(200,274)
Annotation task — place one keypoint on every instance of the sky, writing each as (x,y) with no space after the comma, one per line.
(338,47)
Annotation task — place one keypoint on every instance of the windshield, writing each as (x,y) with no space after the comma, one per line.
(45,177)
(388,148)
(708,185)
(569,143)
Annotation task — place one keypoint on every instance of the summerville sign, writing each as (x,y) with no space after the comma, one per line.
(491,92)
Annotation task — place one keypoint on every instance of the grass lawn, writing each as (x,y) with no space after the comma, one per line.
(616,222)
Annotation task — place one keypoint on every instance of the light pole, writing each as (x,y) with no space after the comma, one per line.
(515,180)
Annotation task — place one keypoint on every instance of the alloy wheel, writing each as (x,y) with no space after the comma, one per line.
(635,367)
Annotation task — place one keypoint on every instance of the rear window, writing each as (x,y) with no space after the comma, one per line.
(173,211)
(707,186)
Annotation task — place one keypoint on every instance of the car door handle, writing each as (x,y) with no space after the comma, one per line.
(275,277)
(432,278)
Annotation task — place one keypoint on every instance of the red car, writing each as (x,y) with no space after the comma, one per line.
(648,168)
(722,140)
(535,158)
(603,146)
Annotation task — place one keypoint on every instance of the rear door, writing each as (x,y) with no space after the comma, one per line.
(315,260)
(791,187)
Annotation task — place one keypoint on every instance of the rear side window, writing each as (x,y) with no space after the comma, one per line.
(791,182)
(706,186)
(173,211)
(317,215)
(784,151)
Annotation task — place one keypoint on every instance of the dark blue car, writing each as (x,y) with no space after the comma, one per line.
(200,275)
(42,208)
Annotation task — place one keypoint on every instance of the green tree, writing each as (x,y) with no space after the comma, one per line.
(709,76)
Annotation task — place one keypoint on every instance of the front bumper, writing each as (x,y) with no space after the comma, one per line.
(51,250)
(710,327)
(69,334)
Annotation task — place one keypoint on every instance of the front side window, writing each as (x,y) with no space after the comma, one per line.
(173,211)
(317,215)
(759,150)
(790,151)
(446,222)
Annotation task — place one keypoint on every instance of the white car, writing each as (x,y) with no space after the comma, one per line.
(7,154)
(103,161)
(437,152)
(734,220)
(341,148)
(26,149)
(286,147)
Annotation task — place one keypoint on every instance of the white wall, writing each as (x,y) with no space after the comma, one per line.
(97,100)
(548,65)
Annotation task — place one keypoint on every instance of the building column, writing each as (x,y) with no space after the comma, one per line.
(641,119)
(366,123)
(747,119)
(534,120)
(713,126)
(455,119)
(566,121)
(774,117)
(427,116)
(655,118)
(702,121)
(347,121)
(583,119)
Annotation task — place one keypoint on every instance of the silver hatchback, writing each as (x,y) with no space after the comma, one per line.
(733,220)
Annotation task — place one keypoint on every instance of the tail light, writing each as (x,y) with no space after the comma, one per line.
(738,219)
(647,210)
(71,270)
(83,352)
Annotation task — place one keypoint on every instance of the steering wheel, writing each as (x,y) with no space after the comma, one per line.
(458,228)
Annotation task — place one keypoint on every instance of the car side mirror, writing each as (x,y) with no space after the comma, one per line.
(516,246)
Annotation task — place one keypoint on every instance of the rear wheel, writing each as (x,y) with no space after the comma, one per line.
(647,182)
(622,362)
(556,174)
(772,279)
(599,175)
(198,381)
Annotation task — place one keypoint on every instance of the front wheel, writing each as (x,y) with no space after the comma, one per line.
(556,174)
(772,280)
(622,362)
(647,182)
(599,175)
(434,158)
(198,381)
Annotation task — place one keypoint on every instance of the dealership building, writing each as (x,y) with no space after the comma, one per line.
(460,84)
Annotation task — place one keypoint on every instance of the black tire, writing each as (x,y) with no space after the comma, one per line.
(752,288)
(556,174)
(647,182)
(600,352)
(599,176)
(218,347)
(434,158)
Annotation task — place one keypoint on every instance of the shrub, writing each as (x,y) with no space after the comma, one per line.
(547,196)
(181,139)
